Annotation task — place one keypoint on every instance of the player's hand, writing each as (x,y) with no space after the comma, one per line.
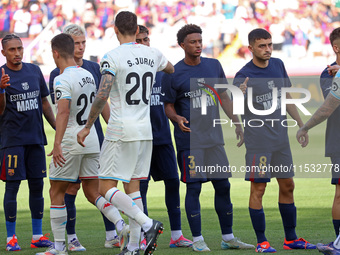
(82,135)
(302,137)
(4,79)
(239,135)
(243,86)
(181,121)
(58,157)
(332,70)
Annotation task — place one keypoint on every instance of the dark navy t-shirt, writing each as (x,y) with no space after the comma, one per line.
(94,69)
(259,132)
(332,141)
(22,121)
(159,121)
(184,89)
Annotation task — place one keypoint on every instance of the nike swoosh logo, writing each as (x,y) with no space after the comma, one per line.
(73,218)
(194,215)
(43,171)
(162,94)
(11,217)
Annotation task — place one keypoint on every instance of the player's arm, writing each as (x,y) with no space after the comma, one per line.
(293,112)
(227,107)
(169,68)
(48,112)
(106,112)
(171,113)
(100,100)
(4,84)
(62,117)
(324,111)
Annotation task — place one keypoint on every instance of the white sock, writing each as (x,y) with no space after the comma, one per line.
(59,245)
(71,237)
(228,237)
(120,225)
(10,238)
(111,234)
(197,238)
(108,210)
(58,216)
(135,228)
(36,237)
(336,243)
(175,234)
(124,203)
(147,225)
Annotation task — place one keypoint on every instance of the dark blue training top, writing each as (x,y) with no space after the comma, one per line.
(22,122)
(159,121)
(94,69)
(333,123)
(264,137)
(184,89)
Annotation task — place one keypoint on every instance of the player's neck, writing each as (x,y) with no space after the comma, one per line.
(192,61)
(260,62)
(79,61)
(337,61)
(14,67)
(126,39)
(63,64)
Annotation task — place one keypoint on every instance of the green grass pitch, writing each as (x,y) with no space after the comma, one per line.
(313,198)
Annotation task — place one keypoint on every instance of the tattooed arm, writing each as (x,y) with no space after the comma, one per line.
(97,106)
(324,111)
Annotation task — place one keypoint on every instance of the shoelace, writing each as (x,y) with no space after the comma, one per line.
(13,241)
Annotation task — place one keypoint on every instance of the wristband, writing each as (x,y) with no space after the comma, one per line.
(2,91)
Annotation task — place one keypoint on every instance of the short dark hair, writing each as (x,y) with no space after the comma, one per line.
(257,34)
(334,35)
(7,38)
(143,29)
(126,22)
(64,45)
(186,30)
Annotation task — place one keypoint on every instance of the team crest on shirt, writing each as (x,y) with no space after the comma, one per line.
(271,84)
(201,82)
(192,173)
(25,85)
(58,94)
(335,86)
(105,64)
(10,172)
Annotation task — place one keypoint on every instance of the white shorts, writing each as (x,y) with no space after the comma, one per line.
(125,161)
(84,166)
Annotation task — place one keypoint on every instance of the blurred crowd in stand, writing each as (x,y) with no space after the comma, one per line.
(298,28)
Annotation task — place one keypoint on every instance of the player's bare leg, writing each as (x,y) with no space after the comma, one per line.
(256,193)
(286,189)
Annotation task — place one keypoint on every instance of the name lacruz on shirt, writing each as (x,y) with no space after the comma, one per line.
(26,101)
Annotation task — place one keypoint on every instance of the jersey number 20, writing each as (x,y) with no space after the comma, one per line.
(144,81)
